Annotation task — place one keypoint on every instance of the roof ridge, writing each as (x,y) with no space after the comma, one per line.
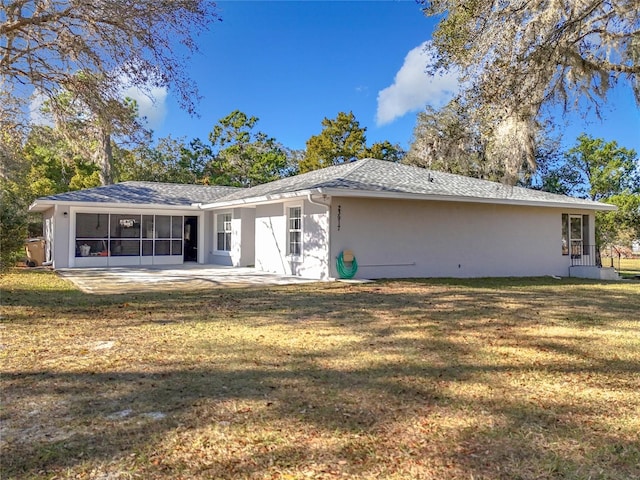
(355,166)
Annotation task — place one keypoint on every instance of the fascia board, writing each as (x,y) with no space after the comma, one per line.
(41,206)
(247,202)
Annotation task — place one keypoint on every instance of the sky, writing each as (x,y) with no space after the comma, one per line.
(294,63)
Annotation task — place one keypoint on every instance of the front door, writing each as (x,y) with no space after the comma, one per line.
(190,239)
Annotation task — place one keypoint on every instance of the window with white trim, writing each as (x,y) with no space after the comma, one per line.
(575,235)
(223,223)
(294,220)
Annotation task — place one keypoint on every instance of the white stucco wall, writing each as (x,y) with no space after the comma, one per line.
(403,238)
(271,239)
(47,233)
(242,251)
(247,219)
(61,225)
(206,232)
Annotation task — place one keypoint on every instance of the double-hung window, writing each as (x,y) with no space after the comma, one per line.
(294,244)
(224,232)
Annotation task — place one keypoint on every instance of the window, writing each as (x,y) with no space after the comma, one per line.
(92,234)
(103,234)
(125,235)
(575,235)
(147,235)
(294,247)
(169,230)
(575,231)
(223,230)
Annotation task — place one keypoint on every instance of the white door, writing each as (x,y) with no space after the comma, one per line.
(575,235)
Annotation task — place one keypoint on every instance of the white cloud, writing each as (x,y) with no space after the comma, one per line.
(151,105)
(413,88)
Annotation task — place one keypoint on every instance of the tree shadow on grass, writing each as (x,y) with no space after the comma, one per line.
(419,363)
(106,415)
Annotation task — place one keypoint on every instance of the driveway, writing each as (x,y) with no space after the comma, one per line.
(112,280)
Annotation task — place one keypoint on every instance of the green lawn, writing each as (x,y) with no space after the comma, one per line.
(431,379)
(627,267)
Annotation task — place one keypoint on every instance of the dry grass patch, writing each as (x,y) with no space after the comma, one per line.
(507,378)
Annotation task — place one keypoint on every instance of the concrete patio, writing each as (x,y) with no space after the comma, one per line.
(102,281)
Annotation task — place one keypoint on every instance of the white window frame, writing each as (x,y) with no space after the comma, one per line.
(576,242)
(288,207)
(226,229)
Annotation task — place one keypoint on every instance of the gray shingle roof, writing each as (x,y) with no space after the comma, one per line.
(327,177)
(370,175)
(145,193)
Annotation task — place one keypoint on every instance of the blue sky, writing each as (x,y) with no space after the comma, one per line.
(293,63)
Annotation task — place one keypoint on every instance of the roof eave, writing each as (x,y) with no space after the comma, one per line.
(40,206)
(37,206)
(251,201)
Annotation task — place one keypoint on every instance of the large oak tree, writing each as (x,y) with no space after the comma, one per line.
(518,59)
(88,53)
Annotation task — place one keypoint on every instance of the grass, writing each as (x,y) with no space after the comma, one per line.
(430,379)
(627,267)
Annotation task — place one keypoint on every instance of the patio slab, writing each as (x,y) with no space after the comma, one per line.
(113,280)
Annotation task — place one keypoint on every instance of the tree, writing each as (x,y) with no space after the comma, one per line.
(47,165)
(517,58)
(454,139)
(450,140)
(603,171)
(239,156)
(598,170)
(92,51)
(90,130)
(623,226)
(13,225)
(386,151)
(343,140)
(53,167)
(171,160)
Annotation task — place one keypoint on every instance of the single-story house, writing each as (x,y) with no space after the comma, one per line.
(396,220)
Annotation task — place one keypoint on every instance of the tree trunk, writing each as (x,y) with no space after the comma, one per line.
(104,159)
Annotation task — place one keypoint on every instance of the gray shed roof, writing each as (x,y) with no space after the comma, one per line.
(142,193)
(378,177)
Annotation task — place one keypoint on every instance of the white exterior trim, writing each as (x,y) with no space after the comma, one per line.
(287,206)
(37,206)
(216,249)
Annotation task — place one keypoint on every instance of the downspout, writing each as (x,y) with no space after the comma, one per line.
(315,202)
(328,206)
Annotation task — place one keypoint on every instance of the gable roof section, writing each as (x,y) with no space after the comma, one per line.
(379,178)
(138,193)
